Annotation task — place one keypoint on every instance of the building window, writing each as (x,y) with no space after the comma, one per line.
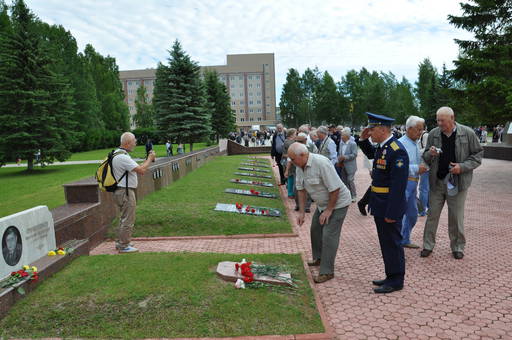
(250,93)
(251,119)
(257,77)
(241,110)
(259,94)
(233,111)
(240,78)
(251,110)
(250,102)
(258,85)
(241,94)
(259,110)
(250,85)
(258,102)
(242,102)
(232,86)
(233,102)
(241,119)
(241,85)
(232,78)
(250,77)
(259,119)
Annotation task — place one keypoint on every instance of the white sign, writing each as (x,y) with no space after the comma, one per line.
(26,237)
(509,129)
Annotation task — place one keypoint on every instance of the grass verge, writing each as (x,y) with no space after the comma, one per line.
(185,208)
(157,295)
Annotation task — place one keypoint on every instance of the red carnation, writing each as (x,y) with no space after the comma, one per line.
(248,279)
(237,266)
(252,210)
(13,274)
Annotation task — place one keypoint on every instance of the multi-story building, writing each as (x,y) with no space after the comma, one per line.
(249,78)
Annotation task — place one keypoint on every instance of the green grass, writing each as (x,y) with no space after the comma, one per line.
(139,152)
(186,206)
(161,295)
(22,189)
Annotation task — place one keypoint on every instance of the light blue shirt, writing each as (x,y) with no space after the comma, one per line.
(413,152)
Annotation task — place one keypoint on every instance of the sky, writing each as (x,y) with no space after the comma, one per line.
(334,35)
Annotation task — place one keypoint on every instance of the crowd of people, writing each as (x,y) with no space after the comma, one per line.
(414,172)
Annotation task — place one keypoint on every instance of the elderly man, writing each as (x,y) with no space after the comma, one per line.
(414,128)
(347,165)
(316,176)
(452,152)
(277,150)
(125,170)
(387,197)
(327,147)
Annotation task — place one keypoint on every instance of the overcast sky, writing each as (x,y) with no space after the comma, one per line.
(335,35)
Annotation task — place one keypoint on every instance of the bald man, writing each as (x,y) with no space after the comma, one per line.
(316,175)
(452,152)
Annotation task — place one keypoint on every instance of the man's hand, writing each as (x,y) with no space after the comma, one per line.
(300,219)
(433,151)
(286,173)
(152,155)
(365,134)
(324,216)
(455,168)
(388,220)
(422,169)
(341,158)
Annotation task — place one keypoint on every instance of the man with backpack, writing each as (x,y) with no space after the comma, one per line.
(125,171)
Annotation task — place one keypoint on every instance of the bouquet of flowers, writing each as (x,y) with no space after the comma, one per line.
(248,270)
(25,274)
(61,251)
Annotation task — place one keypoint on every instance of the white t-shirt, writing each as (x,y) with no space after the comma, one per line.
(121,163)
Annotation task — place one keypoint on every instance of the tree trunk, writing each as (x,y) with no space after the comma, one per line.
(30,164)
(191,146)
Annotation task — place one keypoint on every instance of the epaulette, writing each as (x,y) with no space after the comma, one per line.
(394,146)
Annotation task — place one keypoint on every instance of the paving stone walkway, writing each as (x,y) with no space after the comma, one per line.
(443,298)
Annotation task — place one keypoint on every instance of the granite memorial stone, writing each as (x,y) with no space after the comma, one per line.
(244,181)
(251,192)
(252,175)
(245,209)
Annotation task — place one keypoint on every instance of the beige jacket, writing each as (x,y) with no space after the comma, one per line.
(468,153)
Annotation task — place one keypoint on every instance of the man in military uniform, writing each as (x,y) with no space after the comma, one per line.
(387,199)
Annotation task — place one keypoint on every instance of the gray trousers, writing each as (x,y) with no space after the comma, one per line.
(326,238)
(438,195)
(348,180)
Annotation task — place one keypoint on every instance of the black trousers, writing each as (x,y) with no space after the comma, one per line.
(390,239)
(278,158)
(366,198)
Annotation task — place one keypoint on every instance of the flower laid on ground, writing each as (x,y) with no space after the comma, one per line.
(26,274)
(249,270)
(61,251)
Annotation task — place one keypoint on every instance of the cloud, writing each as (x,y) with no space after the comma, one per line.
(335,35)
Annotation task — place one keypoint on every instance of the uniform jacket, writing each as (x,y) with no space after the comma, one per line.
(350,154)
(468,152)
(390,170)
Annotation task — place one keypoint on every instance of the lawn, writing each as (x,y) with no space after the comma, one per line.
(161,295)
(139,152)
(42,186)
(186,206)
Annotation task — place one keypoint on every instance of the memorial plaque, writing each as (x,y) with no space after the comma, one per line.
(253,169)
(244,181)
(252,161)
(252,175)
(256,165)
(251,192)
(26,237)
(245,209)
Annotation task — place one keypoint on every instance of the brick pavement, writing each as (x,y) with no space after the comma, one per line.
(443,298)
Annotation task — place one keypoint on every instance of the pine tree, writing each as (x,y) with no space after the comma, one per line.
(484,65)
(35,103)
(145,117)
(291,99)
(181,112)
(218,102)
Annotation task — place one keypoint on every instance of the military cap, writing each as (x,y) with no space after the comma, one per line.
(375,120)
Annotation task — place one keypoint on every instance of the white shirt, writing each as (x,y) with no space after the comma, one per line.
(120,164)
(343,146)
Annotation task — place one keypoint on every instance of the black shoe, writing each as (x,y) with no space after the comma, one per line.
(314,263)
(362,209)
(379,282)
(308,210)
(425,253)
(296,209)
(384,289)
(458,255)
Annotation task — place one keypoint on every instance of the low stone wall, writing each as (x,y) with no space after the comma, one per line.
(90,211)
(498,151)
(236,149)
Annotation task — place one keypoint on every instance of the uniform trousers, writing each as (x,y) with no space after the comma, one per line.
(126,203)
(390,239)
(325,239)
(411,213)
(438,195)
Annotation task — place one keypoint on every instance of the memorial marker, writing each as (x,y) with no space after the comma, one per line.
(227,271)
(252,175)
(253,169)
(26,237)
(244,181)
(244,209)
(250,192)
(256,165)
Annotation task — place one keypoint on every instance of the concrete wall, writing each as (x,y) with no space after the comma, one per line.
(236,149)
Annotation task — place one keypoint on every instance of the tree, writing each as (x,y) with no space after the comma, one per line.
(309,83)
(484,65)
(327,101)
(181,113)
(145,116)
(35,103)
(291,100)
(427,90)
(218,102)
